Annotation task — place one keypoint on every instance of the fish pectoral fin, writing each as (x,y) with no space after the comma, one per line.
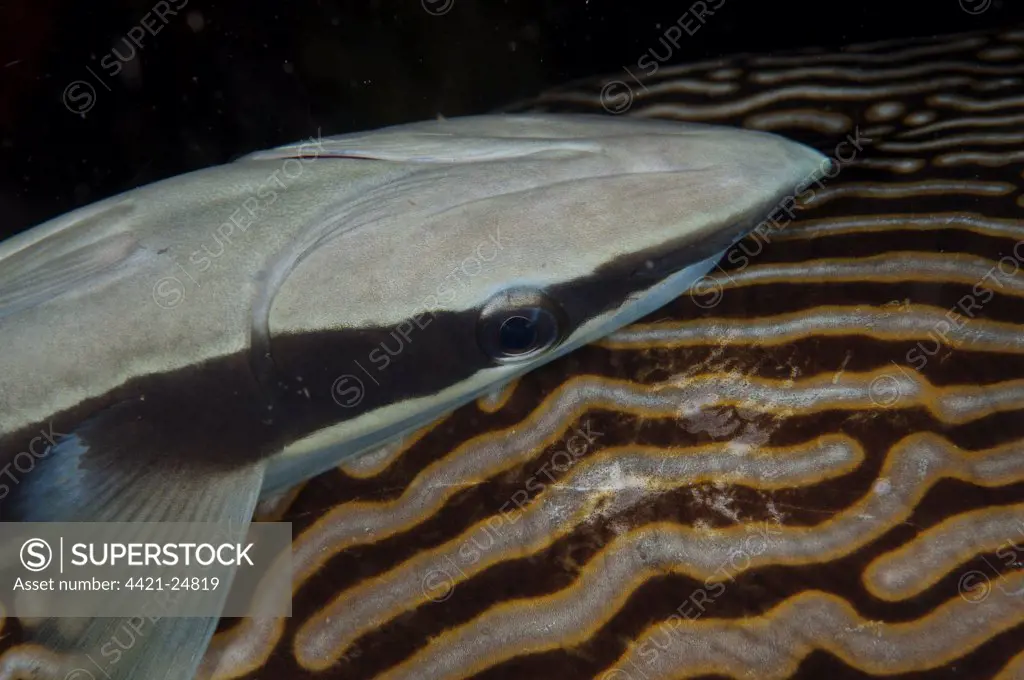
(133,473)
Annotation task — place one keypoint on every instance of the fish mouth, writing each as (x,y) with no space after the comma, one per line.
(654,278)
(680,254)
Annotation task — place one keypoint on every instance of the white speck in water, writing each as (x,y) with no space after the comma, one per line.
(883,486)
(195,20)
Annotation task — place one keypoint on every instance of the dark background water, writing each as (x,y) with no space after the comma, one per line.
(79,122)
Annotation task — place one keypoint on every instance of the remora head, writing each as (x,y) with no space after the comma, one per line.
(501,243)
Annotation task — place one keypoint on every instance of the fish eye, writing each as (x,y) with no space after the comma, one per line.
(520,324)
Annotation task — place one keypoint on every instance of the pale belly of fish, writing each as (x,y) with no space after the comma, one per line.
(813,466)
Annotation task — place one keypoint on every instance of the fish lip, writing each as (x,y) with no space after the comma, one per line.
(674,256)
(789,165)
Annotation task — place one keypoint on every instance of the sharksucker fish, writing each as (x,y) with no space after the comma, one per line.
(812,466)
(198,343)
